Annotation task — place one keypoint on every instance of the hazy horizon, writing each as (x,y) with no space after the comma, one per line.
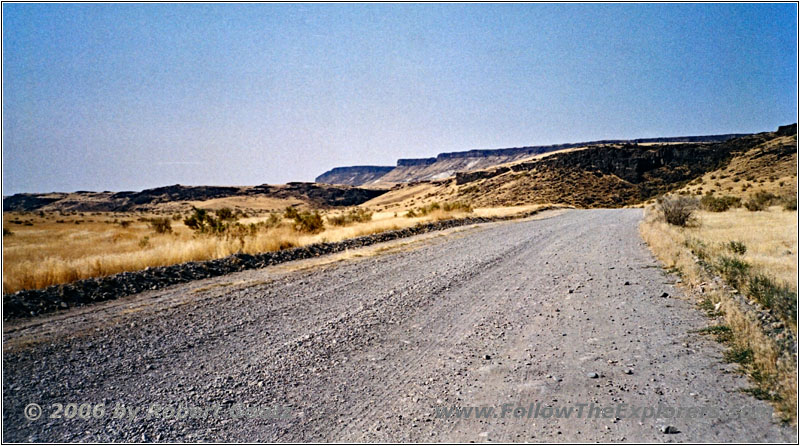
(128,97)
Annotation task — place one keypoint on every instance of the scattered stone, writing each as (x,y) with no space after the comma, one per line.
(627,283)
(487,357)
(669,430)
(628,372)
(665,294)
(593,375)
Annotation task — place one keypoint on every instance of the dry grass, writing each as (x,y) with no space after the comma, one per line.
(771,241)
(50,252)
(770,238)
(758,170)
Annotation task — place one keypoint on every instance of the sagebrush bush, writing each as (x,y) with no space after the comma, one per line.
(733,270)
(204,223)
(772,295)
(160,225)
(737,247)
(721,204)
(308,222)
(455,206)
(789,203)
(759,201)
(225,214)
(354,216)
(678,210)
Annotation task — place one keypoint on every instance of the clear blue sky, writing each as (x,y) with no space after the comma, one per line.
(126,97)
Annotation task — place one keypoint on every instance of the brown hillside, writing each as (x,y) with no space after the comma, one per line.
(770,167)
(616,175)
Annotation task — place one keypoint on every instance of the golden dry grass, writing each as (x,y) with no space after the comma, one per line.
(49,252)
(757,170)
(770,237)
(771,240)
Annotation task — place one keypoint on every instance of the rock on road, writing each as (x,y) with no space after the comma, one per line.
(366,349)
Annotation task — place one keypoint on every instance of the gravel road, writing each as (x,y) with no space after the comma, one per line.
(568,310)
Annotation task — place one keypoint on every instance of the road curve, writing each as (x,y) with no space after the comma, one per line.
(565,311)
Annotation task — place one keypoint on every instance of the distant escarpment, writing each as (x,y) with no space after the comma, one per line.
(317,195)
(445,165)
(609,176)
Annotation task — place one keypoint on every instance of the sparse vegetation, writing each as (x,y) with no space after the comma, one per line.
(358,215)
(306,222)
(789,203)
(677,210)
(737,247)
(719,204)
(443,210)
(160,225)
(760,201)
(755,253)
(734,270)
(781,298)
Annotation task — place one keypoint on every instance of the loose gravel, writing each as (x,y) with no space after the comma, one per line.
(366,349)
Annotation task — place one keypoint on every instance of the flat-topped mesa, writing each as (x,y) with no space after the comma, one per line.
(445,165)
(353,175)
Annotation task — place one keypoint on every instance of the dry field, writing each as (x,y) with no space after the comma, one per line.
(769,241)
(48,249)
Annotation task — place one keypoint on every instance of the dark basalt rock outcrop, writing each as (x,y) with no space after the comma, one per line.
(410,162)
(316,194)
(653,169)
(28,202)
(354,175)
(177,192)
(28,303)
(320,196)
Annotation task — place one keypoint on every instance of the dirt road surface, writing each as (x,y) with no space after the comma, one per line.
(562,311)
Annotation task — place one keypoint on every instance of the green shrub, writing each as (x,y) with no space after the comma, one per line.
(310,222)
(789,203)
(722,333)
(354,216)
(737,247)
(759,201)
(274,220)
(778,297)
(290,213)
(677,210)
(721,204)
(739,355)
(160,225)
(225,214)
(455,206)
(204,223)
(733,270)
